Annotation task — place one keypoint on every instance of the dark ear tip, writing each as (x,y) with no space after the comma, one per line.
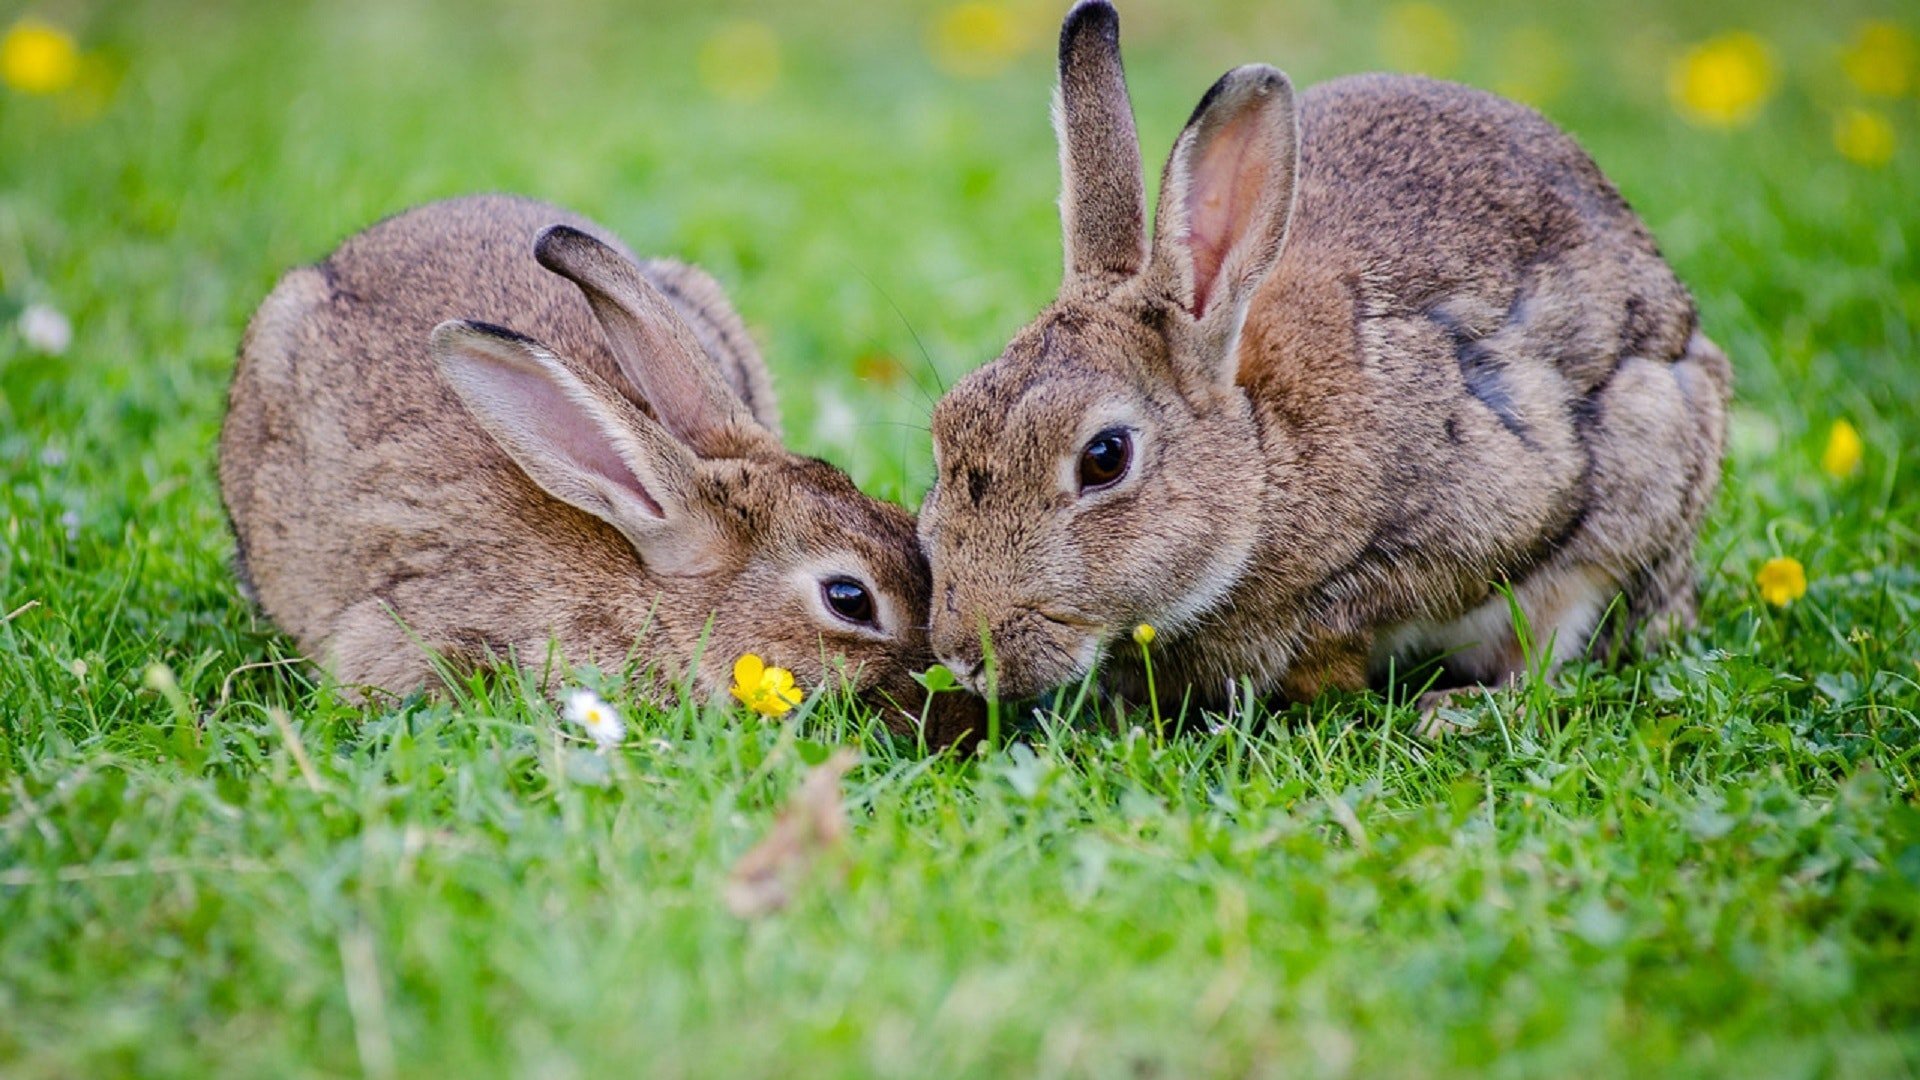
(1241,81)
(495,330)
(1089,15)
(1207,99)
(455,330)
(555,241)
(1266,76)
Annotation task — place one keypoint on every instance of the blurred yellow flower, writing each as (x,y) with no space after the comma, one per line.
(1882,59)
(1420,37)
(1863,136)
(1782,581)
(979,38)
(1144,634)
(38,58)
(740,61)
(1844,448)
(1722,82)
(766,690)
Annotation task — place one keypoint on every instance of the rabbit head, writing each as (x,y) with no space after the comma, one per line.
(1105,470)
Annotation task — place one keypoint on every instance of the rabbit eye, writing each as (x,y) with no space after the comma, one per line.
(848,599)
(1105,459)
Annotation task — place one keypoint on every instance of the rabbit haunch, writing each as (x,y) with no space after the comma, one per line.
(1381,352)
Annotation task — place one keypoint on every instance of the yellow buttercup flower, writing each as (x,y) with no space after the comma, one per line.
(1724,81)
(978,38)
(1420,37)
(1844,449)
(740,61)
(1144,634)
(1863,136)
(1883,59)
(766,690)
(1782,580)
(38,58)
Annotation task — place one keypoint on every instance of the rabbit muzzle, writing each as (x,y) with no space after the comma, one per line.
(1019,651)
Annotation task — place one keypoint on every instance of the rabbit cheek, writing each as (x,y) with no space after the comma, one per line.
(1170,550)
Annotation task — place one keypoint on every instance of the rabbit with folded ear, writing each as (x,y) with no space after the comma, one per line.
(606,477)
(1384,350)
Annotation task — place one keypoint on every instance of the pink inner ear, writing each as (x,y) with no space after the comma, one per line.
(1224,184)
(572,433)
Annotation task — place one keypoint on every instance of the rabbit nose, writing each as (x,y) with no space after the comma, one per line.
(962,656)
(966,669)
(965,672)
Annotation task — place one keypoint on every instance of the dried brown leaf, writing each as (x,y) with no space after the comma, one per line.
(812,825)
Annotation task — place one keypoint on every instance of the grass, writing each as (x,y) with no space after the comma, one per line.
(1707,862)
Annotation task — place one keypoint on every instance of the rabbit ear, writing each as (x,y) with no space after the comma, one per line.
(578,440)
(1103,196)
(656,348)
(704,306)
(1227,196)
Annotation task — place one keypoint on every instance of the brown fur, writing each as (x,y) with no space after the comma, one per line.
(1462,362)
(381,518)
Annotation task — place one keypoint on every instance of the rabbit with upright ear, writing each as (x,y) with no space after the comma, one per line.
(607,477)
(1383,352)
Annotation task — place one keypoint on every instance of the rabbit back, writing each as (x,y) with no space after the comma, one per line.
(1487,359)
(356,483)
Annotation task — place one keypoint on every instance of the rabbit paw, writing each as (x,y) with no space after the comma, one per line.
(1448,712)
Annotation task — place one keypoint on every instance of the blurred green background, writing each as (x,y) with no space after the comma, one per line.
(864,175)
(1707,862)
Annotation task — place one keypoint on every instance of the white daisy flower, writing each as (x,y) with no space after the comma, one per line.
(602,722)
(45,329)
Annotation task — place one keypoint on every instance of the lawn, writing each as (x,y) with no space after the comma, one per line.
(1707,862)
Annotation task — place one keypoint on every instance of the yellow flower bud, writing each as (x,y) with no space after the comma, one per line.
(1882,59)
(1144,634)
(1722,82)
(38,58)
(1842,456)
(978,38)
(1863,136)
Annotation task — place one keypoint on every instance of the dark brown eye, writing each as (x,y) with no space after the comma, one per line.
(848,599)
(1105,459)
